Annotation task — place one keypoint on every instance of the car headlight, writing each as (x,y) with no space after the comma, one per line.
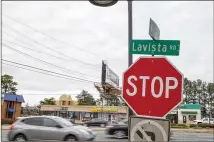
(84,132)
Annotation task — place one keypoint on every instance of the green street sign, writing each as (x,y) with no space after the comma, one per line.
(155,47)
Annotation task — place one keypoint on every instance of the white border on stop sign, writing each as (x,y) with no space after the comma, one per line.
(150,57)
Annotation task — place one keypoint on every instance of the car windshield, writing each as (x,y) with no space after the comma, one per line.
(64,122)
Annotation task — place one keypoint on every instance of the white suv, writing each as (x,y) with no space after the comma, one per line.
(204,120)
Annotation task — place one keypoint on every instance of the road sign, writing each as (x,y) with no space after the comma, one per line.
(155,47)
(148,129)
(152,86)
(154,31)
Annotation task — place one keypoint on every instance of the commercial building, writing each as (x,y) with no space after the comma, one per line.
(67,108)
(188,112)
(11,106)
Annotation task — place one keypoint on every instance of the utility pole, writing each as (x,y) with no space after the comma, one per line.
(130,57)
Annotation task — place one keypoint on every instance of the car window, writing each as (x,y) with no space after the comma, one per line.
(95,120)
(211,119)
(49,122)
(63,122)
(205,119)
(33,121)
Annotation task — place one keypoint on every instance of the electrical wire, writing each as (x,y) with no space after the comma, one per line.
(44,62)
(66,60)
(53,37)
(38,72)
(20,33)
(76,78)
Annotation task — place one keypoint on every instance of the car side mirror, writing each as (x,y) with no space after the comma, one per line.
(58,126)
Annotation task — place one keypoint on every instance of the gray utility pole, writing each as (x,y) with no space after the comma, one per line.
(130,57)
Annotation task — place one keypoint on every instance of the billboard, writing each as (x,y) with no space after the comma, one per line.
(108,76)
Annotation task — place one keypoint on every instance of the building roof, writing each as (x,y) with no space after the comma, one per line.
(13,98)
(190,106)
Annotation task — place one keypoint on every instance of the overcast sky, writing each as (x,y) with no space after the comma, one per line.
(85,35)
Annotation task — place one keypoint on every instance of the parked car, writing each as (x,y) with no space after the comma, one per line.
(96,122)
(118,130)
(204,120)
(48,128)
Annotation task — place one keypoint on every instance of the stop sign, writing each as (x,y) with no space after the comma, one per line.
(152,86)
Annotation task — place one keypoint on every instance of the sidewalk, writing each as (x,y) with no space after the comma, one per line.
(211,130)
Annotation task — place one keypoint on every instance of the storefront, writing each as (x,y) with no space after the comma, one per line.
(83,113)
(188,112)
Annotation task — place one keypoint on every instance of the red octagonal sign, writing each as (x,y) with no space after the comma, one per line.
(152,86)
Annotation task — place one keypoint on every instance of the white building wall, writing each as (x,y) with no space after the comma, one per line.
(180,115)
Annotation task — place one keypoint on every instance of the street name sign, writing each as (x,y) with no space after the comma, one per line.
(154,31)
(152,86)
(155,47)
(148,129)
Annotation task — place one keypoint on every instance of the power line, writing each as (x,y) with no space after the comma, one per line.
(50,36)
(76,78)
(44,62)
(37,71)
(67,60)
(20,33)
(72,46)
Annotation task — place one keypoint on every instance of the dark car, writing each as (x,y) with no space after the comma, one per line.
(96,122)
(118,130)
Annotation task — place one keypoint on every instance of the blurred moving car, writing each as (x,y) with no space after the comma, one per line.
(118,130)
(48,128)
(204,120)
(96,122)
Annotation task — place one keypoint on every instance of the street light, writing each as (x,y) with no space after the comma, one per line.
(103,3)
(106,3)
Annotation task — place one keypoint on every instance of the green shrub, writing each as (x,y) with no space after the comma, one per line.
(192,125)
(179,126)
(7,121)
(205,125)
(182,125)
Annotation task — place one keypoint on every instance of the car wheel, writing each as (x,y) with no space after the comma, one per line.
(119,134)
(20,137)
(102,125)
(70,138)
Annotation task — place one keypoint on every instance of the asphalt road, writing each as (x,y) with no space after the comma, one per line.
(101,136)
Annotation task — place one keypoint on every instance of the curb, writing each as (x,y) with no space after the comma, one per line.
(193,131)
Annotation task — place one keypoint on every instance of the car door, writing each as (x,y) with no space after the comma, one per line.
(50,131)
(205,120)
(32,128)
(94,122)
